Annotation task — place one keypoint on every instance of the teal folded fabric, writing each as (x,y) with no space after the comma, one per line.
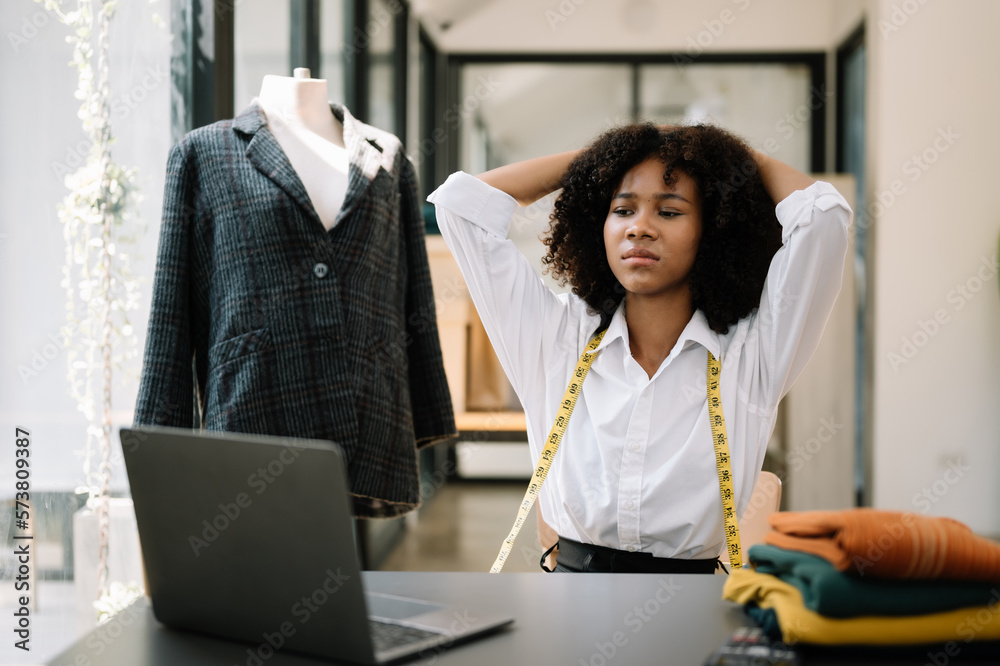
(836,594)
(766,619)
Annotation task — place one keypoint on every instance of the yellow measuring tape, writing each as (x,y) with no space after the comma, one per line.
(551,446)
(719,441)
(718,424)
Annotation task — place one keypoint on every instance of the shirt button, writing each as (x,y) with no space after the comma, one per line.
(630,504)
(630,548)
(635,446)
(320,270)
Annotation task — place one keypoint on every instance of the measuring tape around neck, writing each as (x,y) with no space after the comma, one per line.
(718,425)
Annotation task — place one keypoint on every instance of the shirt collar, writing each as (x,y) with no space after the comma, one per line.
(697,331)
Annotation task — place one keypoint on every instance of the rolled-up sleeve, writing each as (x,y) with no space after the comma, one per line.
(525,320)
(802,283)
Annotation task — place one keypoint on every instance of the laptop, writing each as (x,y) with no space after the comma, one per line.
(251,538)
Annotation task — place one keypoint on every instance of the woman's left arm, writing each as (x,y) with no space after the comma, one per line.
(780,179)
(805,274)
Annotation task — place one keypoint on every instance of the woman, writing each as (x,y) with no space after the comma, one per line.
(680,242)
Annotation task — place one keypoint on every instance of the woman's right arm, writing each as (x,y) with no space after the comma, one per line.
(530,180)
(529,326)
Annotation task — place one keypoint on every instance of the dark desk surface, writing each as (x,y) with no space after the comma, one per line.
(559,619)
(565,619)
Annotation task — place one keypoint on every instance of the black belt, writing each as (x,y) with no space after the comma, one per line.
(590,558)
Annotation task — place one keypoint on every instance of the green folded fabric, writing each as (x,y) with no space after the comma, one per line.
(836,594)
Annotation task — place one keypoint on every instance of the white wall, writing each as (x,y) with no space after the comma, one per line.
(935,75)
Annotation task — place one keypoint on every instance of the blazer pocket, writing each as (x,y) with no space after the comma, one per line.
(237,347)
(240,394)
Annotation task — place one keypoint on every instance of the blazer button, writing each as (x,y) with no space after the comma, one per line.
(320,270)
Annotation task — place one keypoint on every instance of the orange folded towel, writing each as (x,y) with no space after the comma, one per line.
(888,544)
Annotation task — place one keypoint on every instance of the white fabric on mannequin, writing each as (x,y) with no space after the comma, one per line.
(298,114)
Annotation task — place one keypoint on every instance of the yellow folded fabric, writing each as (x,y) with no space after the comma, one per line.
(800,625)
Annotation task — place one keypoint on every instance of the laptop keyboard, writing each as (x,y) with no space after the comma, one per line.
(387,636)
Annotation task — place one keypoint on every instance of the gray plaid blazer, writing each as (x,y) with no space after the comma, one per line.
(295,330)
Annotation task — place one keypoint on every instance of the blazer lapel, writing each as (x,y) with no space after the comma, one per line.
(265,153)
(365,155)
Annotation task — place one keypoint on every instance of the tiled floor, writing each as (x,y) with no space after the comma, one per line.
(461,529)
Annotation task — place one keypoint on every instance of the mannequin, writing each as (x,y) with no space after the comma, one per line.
(266,319)
(298,114)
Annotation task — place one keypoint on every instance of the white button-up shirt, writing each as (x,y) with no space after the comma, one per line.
(636,468)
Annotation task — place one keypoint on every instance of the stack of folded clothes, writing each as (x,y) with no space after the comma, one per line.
(870,577)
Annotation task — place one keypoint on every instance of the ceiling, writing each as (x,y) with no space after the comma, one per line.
(439,15)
